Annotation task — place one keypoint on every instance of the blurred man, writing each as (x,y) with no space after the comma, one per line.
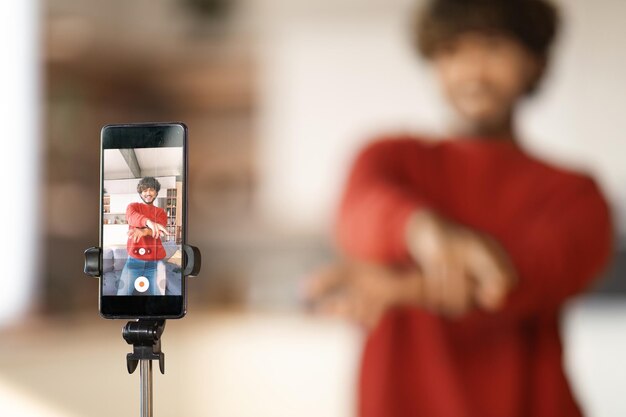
(465,249)
(146,225)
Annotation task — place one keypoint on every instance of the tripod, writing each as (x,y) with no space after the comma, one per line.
(144,334)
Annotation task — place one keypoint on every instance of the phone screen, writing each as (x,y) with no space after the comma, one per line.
(143,218)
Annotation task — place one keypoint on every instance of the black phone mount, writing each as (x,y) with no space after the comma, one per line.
(191,259)
(144,334)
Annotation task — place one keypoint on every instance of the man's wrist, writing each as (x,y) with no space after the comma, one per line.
(418,229)
(409,289)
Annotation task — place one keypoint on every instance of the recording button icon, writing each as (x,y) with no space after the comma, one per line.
(142,284)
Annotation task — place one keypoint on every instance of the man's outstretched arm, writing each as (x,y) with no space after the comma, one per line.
(378,202)
(134,217)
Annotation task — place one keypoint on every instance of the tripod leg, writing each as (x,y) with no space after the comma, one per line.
(145,373)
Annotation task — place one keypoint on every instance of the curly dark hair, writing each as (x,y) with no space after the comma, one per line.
(532,22)
(148,182)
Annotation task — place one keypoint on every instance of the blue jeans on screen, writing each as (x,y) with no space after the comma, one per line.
(133,269)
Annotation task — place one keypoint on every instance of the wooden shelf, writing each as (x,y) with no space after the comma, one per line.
(173,202)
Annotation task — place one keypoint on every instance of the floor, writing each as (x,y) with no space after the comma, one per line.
(263,364)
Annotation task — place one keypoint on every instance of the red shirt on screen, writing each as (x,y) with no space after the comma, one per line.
(554,225)
(148,248)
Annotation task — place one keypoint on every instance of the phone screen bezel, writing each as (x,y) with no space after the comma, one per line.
(144,135)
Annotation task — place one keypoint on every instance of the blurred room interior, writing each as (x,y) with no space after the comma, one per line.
(278,95)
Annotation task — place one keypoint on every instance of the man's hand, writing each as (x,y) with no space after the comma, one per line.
(460,267)
(157,229)
(361,292)
(457,269)
(137,233)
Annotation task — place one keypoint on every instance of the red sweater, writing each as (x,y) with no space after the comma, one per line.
(148,248)
(555,227)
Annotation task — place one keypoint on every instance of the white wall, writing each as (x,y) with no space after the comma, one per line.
(129,186)
(20,157)
(335,73)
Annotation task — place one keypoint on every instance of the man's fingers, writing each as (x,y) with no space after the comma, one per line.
(153,229)
(491,290)
(430,291)
(435,277)
(354,307)
(336,307)
(361,292)
(366,312)
(324,282)
(493,282)
(445,287)
(133,235)
(457,297)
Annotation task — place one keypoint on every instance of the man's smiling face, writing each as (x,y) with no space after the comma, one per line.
(148,195)
(484,75)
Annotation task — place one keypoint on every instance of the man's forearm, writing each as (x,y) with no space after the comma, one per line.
(135,219)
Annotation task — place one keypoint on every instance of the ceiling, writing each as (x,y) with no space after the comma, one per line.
(154,162)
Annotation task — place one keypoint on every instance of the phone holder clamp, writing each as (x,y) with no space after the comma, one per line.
(191,259)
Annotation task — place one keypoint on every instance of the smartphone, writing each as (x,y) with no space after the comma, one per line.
(143,219)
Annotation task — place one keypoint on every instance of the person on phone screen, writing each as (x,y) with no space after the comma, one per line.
(146,225)
(461,252)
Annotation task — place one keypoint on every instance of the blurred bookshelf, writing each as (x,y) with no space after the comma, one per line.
(173,209)
(160,63)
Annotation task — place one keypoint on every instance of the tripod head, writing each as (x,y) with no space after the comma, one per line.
(145,336)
